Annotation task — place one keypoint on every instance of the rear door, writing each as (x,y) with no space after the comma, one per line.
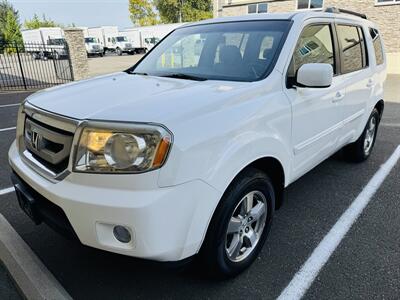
(316,113)
(357,75)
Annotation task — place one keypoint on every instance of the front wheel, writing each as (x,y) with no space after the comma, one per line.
(240,225)
(361,149)
(119,52)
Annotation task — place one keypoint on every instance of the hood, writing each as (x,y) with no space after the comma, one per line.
(137,98)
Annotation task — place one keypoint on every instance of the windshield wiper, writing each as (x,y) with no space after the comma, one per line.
(138,73)
(185,76)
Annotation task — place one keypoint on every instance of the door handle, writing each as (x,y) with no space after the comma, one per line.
(338,97)
(370,83)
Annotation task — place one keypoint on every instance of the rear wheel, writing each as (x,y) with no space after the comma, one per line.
(119,51)
(240,225)
(361,149)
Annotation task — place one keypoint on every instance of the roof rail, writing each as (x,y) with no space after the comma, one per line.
(335,10)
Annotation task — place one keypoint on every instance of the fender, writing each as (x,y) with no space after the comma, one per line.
(239,155)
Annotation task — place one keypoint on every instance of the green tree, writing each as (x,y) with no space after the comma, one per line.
(142,12)
(36,22)
(173,11)
(12,31)
(5,7)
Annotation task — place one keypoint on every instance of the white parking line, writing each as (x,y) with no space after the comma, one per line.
(310,269)
(7,129)
(10,105)
(391,124)
(6,191)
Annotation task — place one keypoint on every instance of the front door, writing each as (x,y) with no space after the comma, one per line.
(316,112)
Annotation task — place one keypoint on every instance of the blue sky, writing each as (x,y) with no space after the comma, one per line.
(81,12)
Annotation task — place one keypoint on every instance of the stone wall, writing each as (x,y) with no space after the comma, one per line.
(234,11)
(77,53)
(281,6)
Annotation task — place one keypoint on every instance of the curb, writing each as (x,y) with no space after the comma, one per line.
(32,278)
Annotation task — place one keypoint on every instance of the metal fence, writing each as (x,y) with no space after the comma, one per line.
(34,66)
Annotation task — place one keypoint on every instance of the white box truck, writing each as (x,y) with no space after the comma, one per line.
(43,43)
(148,36)
(112,40)
(92,43)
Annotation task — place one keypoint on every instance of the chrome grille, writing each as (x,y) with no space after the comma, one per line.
(49,144)
(45,141)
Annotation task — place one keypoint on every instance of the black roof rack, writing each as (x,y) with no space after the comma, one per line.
(335,10)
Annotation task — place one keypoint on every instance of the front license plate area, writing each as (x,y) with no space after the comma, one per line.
(27,203)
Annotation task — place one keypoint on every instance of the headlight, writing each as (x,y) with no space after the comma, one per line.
(133,149)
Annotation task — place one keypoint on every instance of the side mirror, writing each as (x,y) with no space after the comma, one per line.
(315,76)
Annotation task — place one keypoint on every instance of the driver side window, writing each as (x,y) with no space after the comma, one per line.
(315,45)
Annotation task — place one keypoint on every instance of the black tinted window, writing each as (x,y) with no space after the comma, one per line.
(352,44)
(377,45)
(314,46)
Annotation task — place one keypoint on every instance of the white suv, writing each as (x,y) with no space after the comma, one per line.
(190,151)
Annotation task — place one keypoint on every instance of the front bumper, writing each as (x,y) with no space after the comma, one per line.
(95,51)
(167,224)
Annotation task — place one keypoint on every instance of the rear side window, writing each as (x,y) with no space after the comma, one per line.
(376,39)
(315,45)
(352,46)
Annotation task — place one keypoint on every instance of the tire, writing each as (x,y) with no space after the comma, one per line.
(119,52)
(361,149)
(56,55)
(42,56)
(218,255)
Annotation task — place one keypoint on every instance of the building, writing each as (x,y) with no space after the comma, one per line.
(385,13)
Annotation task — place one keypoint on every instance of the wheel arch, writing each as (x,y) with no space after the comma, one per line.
(273,168)
(275,171)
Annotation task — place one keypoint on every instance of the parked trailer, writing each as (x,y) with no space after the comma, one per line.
(45,43)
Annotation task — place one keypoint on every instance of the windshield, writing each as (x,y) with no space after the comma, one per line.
(152,40)
(122,39)
(237,51)
(56,42)
(90,40)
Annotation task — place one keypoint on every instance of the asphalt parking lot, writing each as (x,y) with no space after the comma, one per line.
(366,264)
(111,63)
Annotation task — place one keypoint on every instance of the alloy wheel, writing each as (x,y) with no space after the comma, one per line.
(370,135)
(246,226)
